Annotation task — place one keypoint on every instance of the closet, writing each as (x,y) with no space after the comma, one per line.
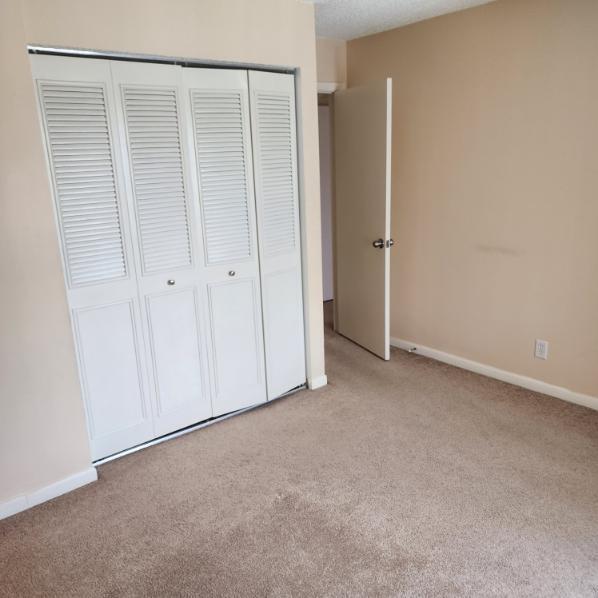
(176,203)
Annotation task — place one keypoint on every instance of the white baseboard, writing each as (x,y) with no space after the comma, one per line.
(14,506)
(317,382)
(487,370)
(26,501)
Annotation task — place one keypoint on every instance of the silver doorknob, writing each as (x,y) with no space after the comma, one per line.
(390,243)
(378,243)
(231,272)
(170,282)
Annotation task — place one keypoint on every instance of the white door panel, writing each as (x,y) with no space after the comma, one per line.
(277,198)
(75,105)
(109,348)
(224,178)
(237,345)
(152,109)
(286,369)
(176,359)
(152,118)
(79,124)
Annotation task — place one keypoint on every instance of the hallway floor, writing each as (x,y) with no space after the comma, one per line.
(400,478)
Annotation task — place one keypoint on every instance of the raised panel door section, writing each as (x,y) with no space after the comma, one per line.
(237,345)
(286,367)
(175,345)
(275,158)
(109,349)
(223,174)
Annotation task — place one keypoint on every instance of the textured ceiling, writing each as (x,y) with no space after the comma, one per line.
(348,19)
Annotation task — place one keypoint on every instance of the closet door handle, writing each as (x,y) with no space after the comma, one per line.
(231,272)
(170,282)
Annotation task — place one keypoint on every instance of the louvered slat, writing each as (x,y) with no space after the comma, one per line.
(219,134)
(157,171)
(276,165)
(79,145)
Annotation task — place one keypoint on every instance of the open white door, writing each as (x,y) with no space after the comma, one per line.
(362,140)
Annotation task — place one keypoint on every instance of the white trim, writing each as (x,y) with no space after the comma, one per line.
(558,392)
(329,86)
(12,507)
(387,219)
(310,312)
(317,382)
(21,503)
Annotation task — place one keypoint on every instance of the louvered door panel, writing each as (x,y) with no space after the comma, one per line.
(274,136)
(275,167)
(222,162)
(81,139)
(79,144)
(155,152)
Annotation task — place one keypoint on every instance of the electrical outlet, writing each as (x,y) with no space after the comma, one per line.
(541,349)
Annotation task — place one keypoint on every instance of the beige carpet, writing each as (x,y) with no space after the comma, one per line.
(408,478)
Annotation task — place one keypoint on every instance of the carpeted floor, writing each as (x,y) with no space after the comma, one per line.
(408,478)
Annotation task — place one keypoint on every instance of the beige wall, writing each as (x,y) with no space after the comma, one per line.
(495,183)
(42,426)
(332,60)
(41,418)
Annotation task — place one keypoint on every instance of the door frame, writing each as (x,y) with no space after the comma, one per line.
(326,98)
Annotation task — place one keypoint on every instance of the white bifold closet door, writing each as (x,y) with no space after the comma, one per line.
(275,157)
(177,210)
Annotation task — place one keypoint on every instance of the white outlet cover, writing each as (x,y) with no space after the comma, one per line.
(541,351)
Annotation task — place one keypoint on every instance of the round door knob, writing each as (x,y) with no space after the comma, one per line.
(170,282)
(231,272)
(378,243)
